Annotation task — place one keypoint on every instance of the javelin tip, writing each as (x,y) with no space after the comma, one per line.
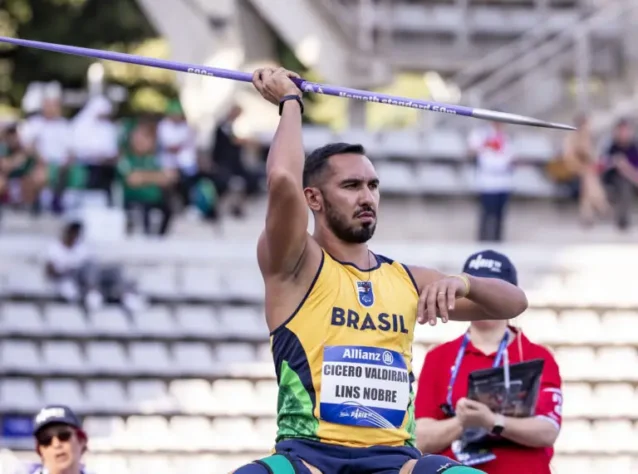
(517,119)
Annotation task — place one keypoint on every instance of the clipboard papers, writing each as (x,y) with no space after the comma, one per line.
(489,386)
(511,390)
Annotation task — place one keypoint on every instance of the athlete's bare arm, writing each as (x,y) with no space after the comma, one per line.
(447,297)
(287,256)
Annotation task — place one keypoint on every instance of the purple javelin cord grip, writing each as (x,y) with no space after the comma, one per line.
(305,86)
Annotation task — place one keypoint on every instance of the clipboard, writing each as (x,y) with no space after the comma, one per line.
(488,386)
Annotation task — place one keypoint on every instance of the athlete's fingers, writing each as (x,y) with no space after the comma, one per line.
(420,309)
(260,78)
(257,80)
(451,297)
(431,305)
(442,304)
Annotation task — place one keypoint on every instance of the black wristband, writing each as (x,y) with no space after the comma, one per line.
(290,97)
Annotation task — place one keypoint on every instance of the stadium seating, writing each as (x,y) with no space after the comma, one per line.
(439,160)
(193,373)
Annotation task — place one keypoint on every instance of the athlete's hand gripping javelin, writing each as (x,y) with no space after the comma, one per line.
(439,298)
(274,84)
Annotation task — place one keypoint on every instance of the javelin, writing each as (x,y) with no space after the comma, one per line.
(305,86)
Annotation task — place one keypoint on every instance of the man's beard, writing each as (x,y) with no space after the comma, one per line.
(345,232)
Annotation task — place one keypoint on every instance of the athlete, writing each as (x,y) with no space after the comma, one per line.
(341,317)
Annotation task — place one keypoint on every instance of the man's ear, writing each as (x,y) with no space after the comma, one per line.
(314,198)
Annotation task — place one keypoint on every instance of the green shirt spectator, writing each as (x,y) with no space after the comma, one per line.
(134,171)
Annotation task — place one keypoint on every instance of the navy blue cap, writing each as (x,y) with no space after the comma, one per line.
(491,264)
(55,414)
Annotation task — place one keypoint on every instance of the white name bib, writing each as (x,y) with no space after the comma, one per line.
(364,386)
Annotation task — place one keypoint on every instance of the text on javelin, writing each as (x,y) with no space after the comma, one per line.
(402,103)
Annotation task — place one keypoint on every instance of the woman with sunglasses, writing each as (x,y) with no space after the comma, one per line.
(60,441)
(450,424)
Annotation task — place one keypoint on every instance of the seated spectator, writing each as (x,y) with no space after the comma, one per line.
(47,137)
(20,167)
(79,277)
(228,163)
(579,157)
(95,144)
(621,173)
(177,141)
(178,151)
(146,185)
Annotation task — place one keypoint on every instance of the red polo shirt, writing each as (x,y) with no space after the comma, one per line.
(432,392)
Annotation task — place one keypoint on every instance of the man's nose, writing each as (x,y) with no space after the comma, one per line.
(366,197)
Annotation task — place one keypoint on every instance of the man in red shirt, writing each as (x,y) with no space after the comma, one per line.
(523,445)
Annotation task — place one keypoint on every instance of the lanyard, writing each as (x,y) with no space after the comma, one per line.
(459,358)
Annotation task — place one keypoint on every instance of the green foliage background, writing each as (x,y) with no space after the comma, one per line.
(120,25)
(117,25)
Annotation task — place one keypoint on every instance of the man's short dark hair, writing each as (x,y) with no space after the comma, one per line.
(317,161)
(73,227)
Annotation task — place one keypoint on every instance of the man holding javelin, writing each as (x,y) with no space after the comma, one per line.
(342,317)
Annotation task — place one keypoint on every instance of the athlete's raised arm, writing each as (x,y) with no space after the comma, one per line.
(281,245)
(465,298)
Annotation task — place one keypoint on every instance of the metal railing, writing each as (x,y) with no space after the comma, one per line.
(504,55)
(501,78)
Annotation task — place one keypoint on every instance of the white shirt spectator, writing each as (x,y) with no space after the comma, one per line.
(64,259)
(94,135)
(171,133)
(51,138)
(494,159)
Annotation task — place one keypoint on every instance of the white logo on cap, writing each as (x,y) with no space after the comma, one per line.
(48,413)
(480,262)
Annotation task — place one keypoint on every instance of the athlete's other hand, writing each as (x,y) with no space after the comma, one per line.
(438,298)
(274,84)
(473,414)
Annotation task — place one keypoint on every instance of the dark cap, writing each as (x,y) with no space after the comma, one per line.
(55,414)
(491,264)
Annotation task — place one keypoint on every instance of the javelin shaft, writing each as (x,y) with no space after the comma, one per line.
(305,86)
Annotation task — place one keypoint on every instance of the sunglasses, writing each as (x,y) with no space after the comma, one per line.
(45,439)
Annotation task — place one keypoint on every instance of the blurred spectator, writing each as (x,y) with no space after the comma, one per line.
(228,163)
(78,277)
(177,141)
(622,171)
(147,186)
(490,147)
(18,166)
(579,156)
(95,144)
(47,136)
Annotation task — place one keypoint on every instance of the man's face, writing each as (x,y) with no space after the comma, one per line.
(624,133)
(60,447)
(349,198)
(51,108)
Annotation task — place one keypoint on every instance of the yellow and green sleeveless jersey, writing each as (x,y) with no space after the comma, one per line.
(344,358)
